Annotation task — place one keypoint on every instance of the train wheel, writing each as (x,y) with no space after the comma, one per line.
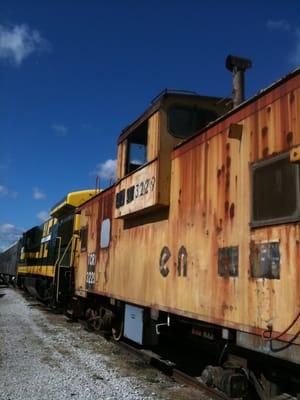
(90,315)
(117,327)
(98,323)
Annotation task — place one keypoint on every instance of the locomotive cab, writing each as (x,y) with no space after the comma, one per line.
(144,149)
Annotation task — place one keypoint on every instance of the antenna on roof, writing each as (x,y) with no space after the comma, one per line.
(97,186)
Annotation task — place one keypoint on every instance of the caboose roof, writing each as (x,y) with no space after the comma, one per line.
(245,103)
(158,103)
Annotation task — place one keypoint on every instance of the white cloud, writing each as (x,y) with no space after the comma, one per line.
(17,42)
(106,170)
(60,130)
(42,215)
(6,228)
(38,194)
(3,191)
(9,233)
(281,25)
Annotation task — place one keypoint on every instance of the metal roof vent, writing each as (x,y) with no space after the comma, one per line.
(238,66)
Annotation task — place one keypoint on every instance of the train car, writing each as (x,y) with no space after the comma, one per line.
(37,259)
(200,234)
(48,253)
(9,263)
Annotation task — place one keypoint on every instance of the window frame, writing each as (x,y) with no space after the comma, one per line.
(279,220)
(139,136)
(192,108)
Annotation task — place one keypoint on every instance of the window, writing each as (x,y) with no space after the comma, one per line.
(32,239)
(65,229)
(83,238)
(186,121)
(137,148)
(275,191)
(105,233)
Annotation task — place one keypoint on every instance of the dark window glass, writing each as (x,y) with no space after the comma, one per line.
(275,191)
(33,239)
(186,121)
(83,238)
(66,259)
(137,148)
(65,229)
(130,194)
(53,245)
(120,198)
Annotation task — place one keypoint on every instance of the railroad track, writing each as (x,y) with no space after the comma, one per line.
(170,369)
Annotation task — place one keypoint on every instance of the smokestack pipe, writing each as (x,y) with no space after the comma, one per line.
(238,66)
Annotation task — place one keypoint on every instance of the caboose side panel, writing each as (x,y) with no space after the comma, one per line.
(209,220)
(214,219)
(217,253)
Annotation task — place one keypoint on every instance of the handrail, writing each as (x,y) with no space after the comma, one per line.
(58,255)
(59,264)
(73,255)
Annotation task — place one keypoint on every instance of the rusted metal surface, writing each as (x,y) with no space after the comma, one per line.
(210,209)
(254,342)
(266,102)
(94,260)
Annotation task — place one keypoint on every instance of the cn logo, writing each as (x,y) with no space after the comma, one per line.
(165,254)
(182,262)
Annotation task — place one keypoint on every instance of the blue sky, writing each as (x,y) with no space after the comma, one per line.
(74,73)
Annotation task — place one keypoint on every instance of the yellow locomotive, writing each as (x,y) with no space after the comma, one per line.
(48,253)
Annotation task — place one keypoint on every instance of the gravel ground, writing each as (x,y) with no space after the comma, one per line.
(42,356)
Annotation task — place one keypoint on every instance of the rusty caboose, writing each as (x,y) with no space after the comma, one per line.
(202,224)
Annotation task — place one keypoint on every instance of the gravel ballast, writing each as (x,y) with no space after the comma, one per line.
(43,356)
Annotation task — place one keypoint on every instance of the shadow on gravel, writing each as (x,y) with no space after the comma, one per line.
(34,305)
